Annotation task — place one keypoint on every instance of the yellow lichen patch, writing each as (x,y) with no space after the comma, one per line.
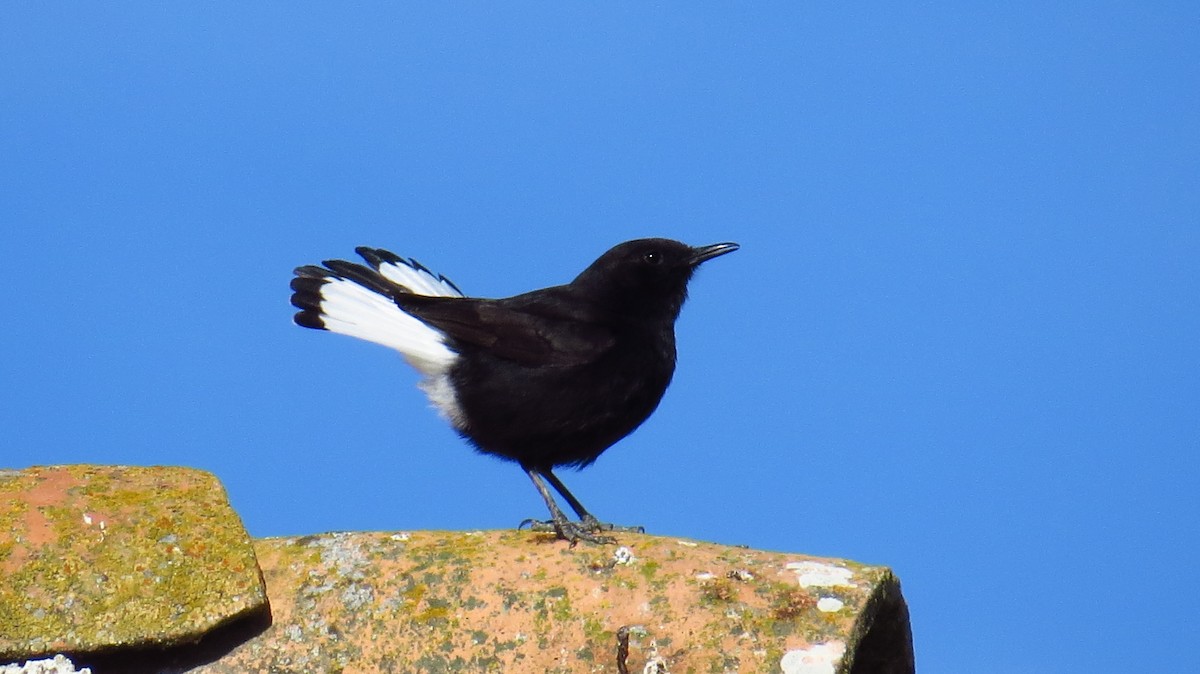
(720,591)
(791,603)
(507,602)
(105,556)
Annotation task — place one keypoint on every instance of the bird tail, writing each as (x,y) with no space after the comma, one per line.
(359,301)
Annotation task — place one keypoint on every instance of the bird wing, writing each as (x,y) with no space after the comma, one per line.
(537,328)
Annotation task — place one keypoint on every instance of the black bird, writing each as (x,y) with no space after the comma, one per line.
(549,378)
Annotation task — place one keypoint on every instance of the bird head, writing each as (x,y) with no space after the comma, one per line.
(647,277)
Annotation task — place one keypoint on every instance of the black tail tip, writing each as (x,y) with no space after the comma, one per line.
(309,319)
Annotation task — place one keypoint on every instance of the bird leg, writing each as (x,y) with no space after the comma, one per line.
(588,526)
(559,524)
(587,519)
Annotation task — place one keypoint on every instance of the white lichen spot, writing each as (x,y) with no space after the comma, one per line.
(623,555)
(818,659)
(687,543)
(401,536)
(88,520)
(341,553)
(830,604)
(655,665)
(357,596)
(816,574)
(740,574)
(59,664)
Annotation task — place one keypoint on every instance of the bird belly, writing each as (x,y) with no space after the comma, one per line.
(554,416)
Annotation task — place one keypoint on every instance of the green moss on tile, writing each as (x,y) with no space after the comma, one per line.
(719,591)
(105,556)
(593,630)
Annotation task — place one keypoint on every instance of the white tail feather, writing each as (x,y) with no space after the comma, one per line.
(350,309)
(418,280)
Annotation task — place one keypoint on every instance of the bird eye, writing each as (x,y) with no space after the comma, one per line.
(653,257)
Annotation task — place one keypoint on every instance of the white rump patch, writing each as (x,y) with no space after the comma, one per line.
(441,393)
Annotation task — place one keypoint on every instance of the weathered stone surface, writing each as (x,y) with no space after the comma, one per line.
(94,558)
(147,571)
(520,602)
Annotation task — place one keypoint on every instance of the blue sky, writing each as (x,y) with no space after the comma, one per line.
(960,338)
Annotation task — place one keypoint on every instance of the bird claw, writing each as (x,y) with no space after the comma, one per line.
(572,532)
(585,530)
(593,524)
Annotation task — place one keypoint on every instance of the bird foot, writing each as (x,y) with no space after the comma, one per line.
(586,530)
(593,524)
(569,531)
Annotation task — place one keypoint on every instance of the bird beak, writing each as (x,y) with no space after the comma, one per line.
(702,253)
